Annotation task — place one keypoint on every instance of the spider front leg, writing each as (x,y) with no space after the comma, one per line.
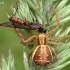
(24,42)
(58,23)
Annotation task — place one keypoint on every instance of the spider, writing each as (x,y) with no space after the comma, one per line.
(42,53)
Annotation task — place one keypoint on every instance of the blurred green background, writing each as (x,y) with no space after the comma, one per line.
(9,40)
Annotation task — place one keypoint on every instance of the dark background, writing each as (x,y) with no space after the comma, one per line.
(9,40)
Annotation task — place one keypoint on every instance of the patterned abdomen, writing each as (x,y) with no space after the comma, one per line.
(42,55)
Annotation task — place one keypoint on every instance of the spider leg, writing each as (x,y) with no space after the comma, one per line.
(58,23)
(59,38)
(24,42)
(55,43)
(18,33)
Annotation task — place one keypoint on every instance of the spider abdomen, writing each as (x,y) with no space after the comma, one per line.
(42,55)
